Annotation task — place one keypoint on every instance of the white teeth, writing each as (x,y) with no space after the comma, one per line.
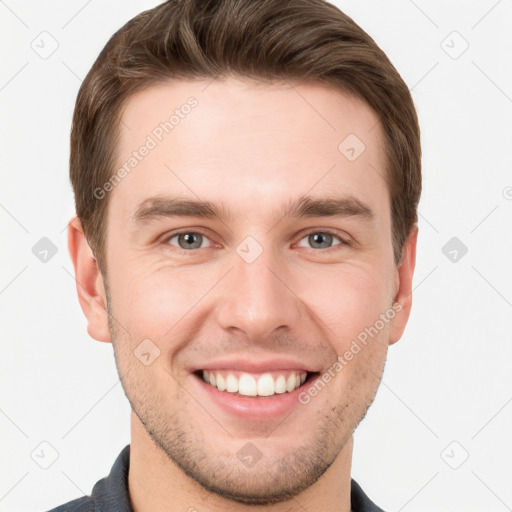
(290,383)
(248,385)
(231,384)
(280,384)
(266,385)
(221,382)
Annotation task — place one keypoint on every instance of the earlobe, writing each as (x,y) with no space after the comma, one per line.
(89,282)
(402,301)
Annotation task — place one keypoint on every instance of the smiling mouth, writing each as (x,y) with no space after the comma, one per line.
(261,385)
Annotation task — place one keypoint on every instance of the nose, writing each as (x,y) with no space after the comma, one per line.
(258,298)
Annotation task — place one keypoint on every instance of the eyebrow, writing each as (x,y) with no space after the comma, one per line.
(348,206)
(305,207)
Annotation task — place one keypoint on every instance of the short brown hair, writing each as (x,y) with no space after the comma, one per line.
(266,40)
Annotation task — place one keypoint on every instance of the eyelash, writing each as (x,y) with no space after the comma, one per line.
(343,241)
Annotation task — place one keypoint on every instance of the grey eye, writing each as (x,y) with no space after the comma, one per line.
(320,240)
(189,240)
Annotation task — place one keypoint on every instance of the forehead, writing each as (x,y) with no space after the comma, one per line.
(248,145)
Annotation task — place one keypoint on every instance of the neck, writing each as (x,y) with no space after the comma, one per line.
(156,484)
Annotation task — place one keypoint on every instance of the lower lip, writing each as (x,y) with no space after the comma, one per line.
(255,407)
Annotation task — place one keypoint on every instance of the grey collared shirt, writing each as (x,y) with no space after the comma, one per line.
(110,494)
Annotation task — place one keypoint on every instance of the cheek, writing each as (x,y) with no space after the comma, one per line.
(153,301)
(348,300)
(352,304)
(156,301)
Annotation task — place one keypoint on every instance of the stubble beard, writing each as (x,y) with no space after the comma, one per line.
(270,480)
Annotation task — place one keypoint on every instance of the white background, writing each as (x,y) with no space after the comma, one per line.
(447,380)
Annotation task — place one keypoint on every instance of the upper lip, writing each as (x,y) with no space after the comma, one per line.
(255,366)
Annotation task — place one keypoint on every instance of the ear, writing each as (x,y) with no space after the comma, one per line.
(402,300)
(89,282)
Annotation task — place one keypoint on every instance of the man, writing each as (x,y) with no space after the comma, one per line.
(246,176)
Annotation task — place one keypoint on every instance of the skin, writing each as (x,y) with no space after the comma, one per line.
(254,148)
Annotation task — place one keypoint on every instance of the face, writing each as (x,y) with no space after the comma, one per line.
(251,239)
